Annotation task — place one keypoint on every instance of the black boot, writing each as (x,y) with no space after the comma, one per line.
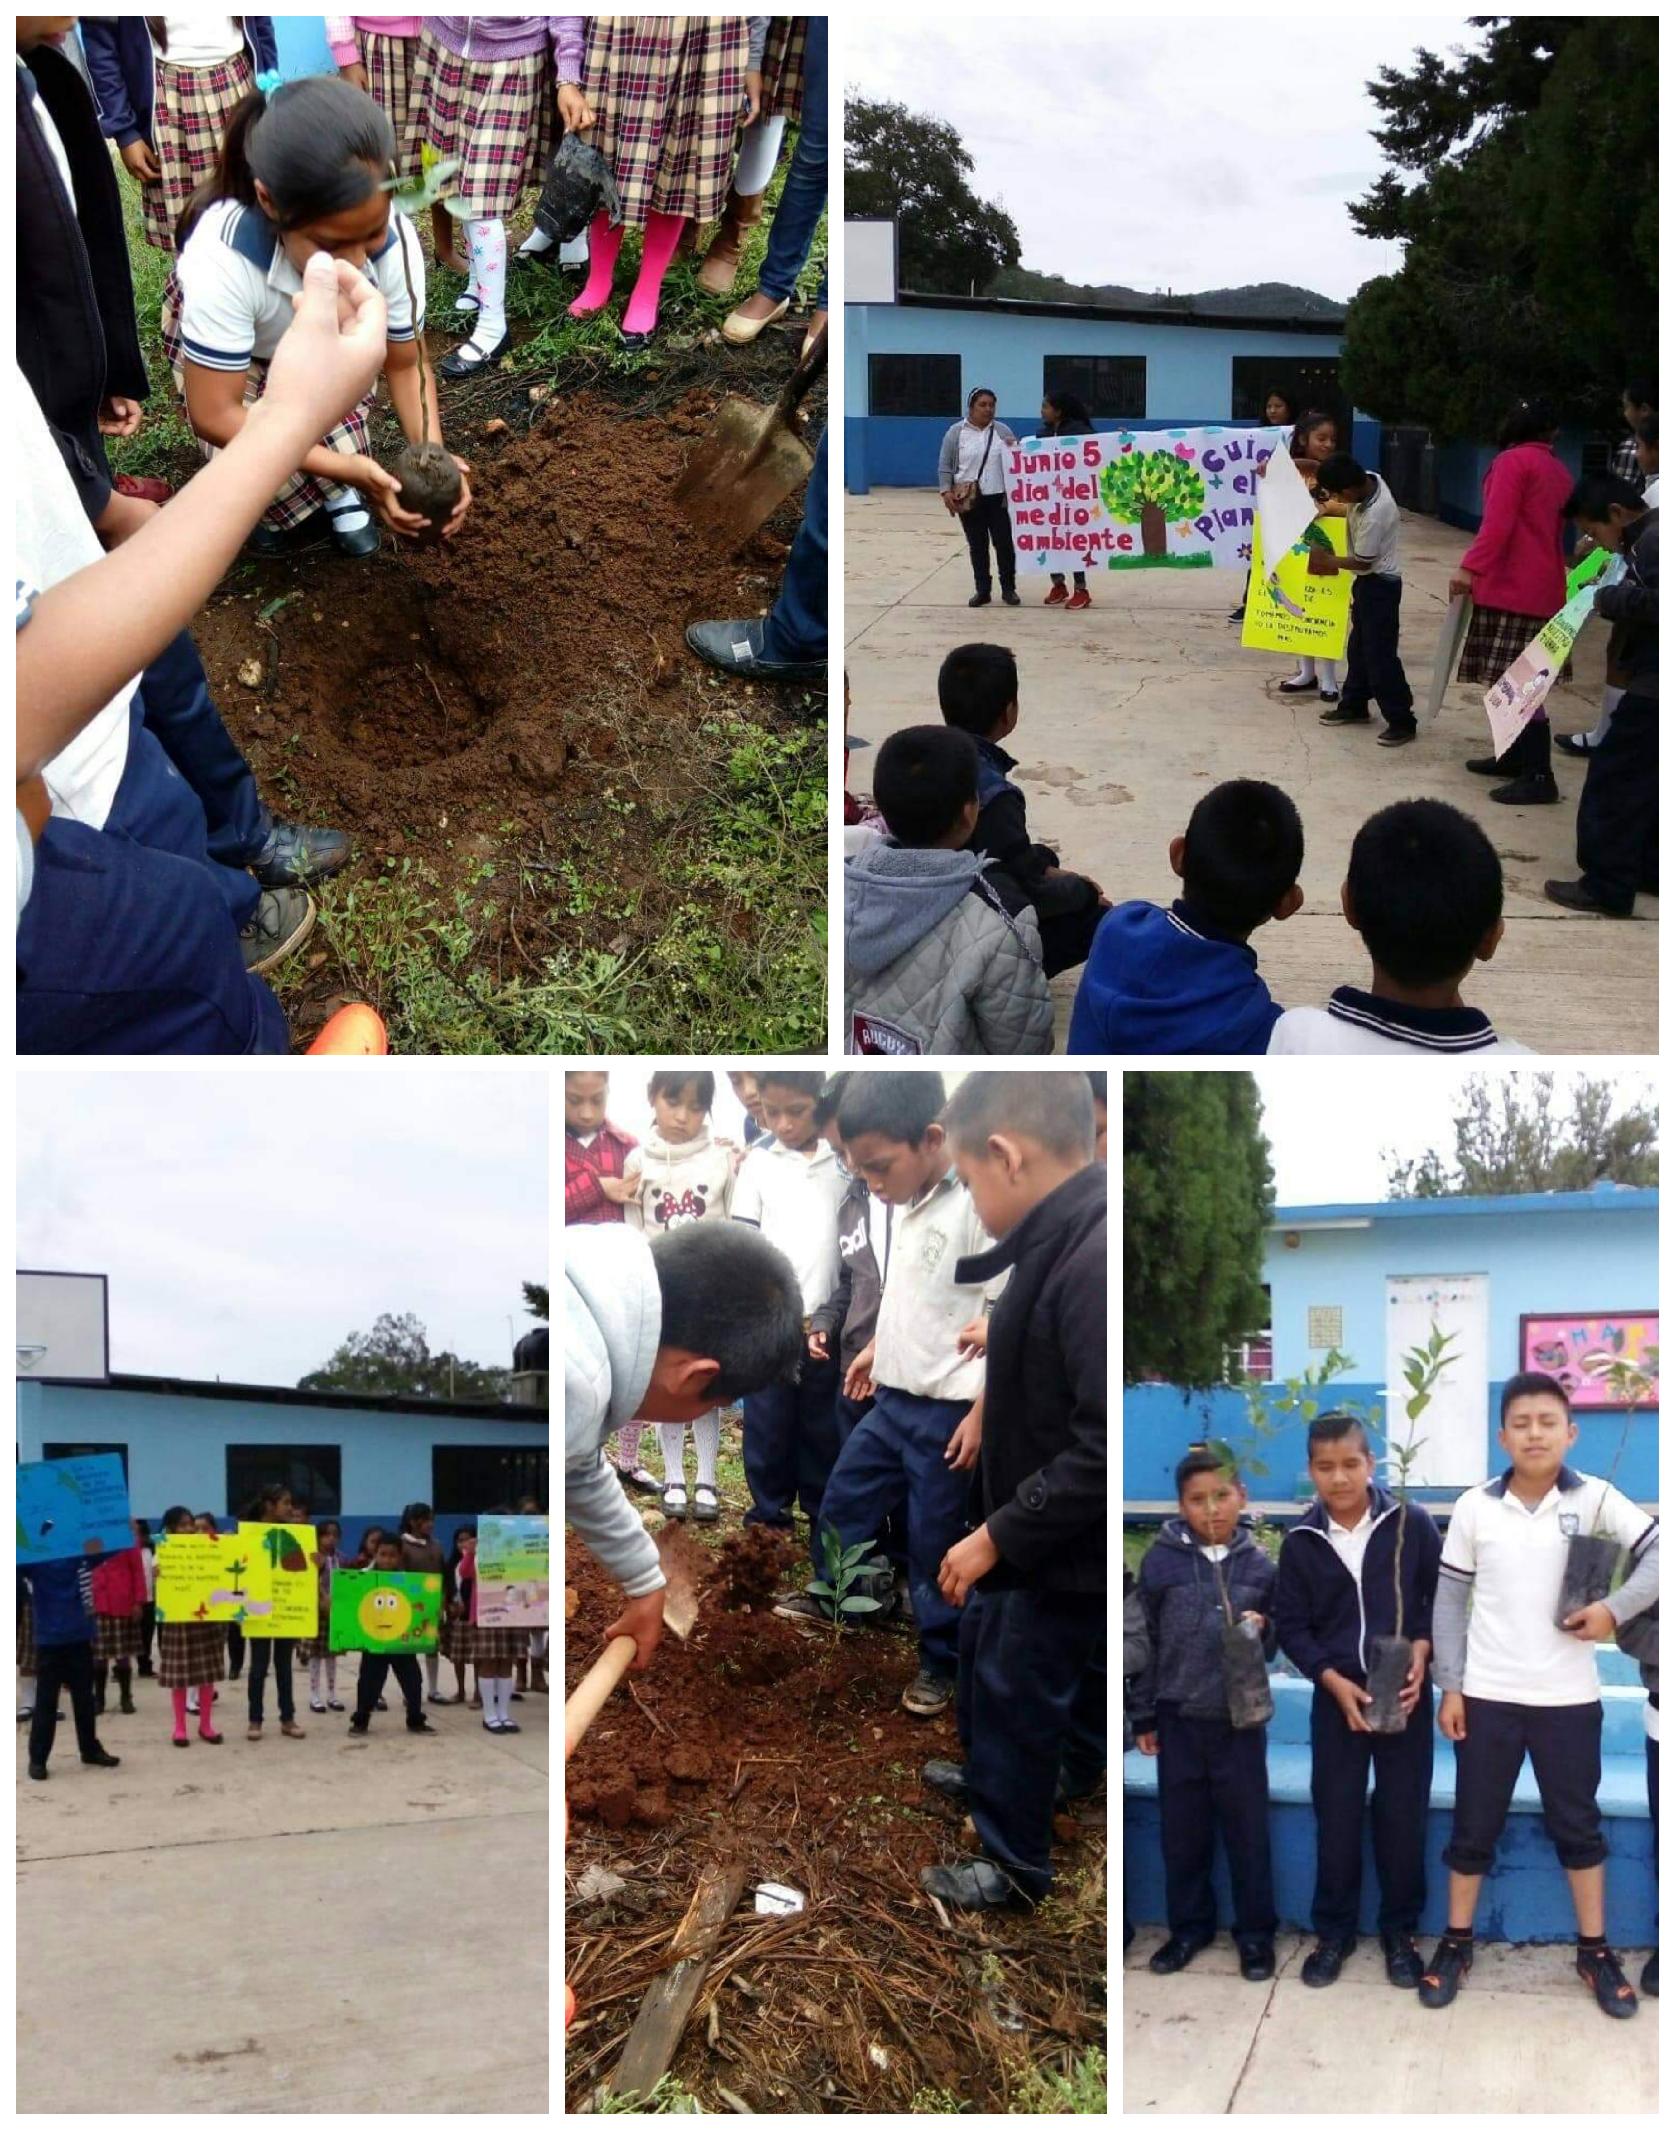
(125,1688)
(99,1691)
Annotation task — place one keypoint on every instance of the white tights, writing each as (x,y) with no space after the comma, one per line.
(706,1439)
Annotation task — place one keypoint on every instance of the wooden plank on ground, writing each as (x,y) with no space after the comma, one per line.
(662,2017)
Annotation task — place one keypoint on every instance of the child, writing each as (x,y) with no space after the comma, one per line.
(941,954)
(421,1555)
(167,86)
(1136,1655)
(61,1603)
(1424,892)
(496,1652)
(1313,442)
(1205,1570)
(1279,411)
(849,1315)
(1513,1682)
(1336,1592)
(148,1611)
(191,1654)
(376,1667)
(596,1190)
(1617,818)
(275,1505)
(1374,666)
(1030,1580)
(1063,414)
(459,1578)
(118,1602)
(319,1654)
(922,1432)
(301,171)
(682,1174)
(375,53)
(744,1086)
(1184,980)
(978,690)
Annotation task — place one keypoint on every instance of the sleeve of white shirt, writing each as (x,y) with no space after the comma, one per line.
(217,301)
(393,282)
(747,1194)
(1622,1519)
(978,1239)
(1459,1548)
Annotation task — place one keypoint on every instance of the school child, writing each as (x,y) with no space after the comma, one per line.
(596,1190)
(459,1577)
(1279,411)
(790,1188)
(942,953)
(1313,442)
(118,1601)
(1063,414)
(1617,816)
(275,1653)
(1136,1655)
(301,170)
(1513,1682)
(167,87)
(376,53)
(667,95)
(1205,1569)
(148,1611)
(495,1651)
(849,1315)
(191,1654)
(1424,892)
(1335,1594)
(744,1086)
(1163,982)
(482,95)
(421,1555)
(319,1655)
(794,92)
(376,1667)
(787,45)
(682,1173)
(977,688)
(61,1603)
(1638,1638)
(1373,670)
(1029,1581)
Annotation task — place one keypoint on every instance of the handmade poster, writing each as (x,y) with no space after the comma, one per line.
(70,1506)
(1523,687)
(1591,566)
(392,1615)
(283,1581)
(1450,643)
(1285,509)
(1291,611)
(202,1578)
(512,1577)
(1582,1351)
(1131,499)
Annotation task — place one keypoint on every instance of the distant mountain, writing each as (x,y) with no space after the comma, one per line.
(1260,299)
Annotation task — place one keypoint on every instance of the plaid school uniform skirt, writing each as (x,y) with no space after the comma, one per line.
(1494,639)
(669,93)
(188,118)
(191,1653)
(389,82)
(115,1640)
(493,1648)
(782,68)
(498,117)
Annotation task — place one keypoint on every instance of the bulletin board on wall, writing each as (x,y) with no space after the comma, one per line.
(1589,1354)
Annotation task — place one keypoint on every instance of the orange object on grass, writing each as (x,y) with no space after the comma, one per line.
(352,1032)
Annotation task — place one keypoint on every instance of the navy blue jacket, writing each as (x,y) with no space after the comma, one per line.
(1328,1621)
(62,1595)
(1163,983)
(1002,833)
(120,66)
(1181,1594)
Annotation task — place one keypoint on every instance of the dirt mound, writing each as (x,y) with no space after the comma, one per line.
(749,1568)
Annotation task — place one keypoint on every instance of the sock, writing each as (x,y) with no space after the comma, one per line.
(191,1700)
(178,1697)
(489,1690)
(206,1710)
(1305,669)
(671,1440)
(661,237)
(314,1678)
(603,244)
(487,242)
(432,1665)
(331,1678)
(575,252)
(536,244)
(706,1438)
(346,507)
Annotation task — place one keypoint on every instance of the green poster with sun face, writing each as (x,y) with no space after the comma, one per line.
(392,1615)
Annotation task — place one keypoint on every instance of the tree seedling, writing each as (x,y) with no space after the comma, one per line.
(844,1566)
(430,481)
(1390,1657)
(1591,1560)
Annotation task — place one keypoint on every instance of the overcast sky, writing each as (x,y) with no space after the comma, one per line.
(248,1221)
(1328,1129)
(1194,154)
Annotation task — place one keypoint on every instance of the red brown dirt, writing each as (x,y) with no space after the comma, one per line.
(749,1568)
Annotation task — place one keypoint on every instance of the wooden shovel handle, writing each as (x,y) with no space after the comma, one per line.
(595,1688)
(801,380)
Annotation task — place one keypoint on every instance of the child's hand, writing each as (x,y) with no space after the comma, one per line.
(642,1619)
(383,499)
(1350,1698)
(753,96)
(140,159)
(574,109)
(1255,1619)
(1451,1717)
(1322,564)
(817,1346)
(1459,585)
(973,1338)
(331,352)
(464,503)
(858,1384)
(965,1442)
(1592,1624)
(120,417)
(620,1190)
(966,1563)
(1415,1680)
(1146,1742)
(355,76)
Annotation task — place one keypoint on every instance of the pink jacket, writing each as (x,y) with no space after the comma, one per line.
(1517,559)
(340,32)
(119,1584)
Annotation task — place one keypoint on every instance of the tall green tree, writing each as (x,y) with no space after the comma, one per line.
(1198,1189)
(535,1300)
(914,167)
(1525,192)
(1516,1135)
(394,1359)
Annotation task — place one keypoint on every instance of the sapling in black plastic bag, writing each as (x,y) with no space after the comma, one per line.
(1390,1656)
(1591,1558)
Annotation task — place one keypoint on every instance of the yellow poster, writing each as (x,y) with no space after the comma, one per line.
(202,1578)
(283,1581)
(1292,611)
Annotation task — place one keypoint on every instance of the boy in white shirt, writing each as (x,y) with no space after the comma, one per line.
(1515,1681)
(1373,666)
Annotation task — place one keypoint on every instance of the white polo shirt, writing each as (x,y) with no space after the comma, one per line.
(794,1199)
(1349,1542)
(924,1308)
(1514,1557)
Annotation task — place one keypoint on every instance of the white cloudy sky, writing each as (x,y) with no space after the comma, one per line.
(1328,1128)
(1195,153)
(249,1220)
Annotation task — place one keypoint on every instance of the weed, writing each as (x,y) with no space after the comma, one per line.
(936,2100)
(1081,2091)
(667,2097)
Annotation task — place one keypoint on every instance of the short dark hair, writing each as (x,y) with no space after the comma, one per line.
(804,1083)
(1525,421)
(899,1106)
(1332,1427)
(1203,1459)
(671,1083)
(924,776)
(1594,494)
(730,1295)
(976,686)
(1426,888)
(1641,392)
(830,1098)
(1531,1383)
(1339,472)
(1244,851)
(1055,1109)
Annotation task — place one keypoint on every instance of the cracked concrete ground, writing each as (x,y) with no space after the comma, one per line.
(1133,709)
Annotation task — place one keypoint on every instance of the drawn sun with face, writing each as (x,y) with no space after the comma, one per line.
(386,1615)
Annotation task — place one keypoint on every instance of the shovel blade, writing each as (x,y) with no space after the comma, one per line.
(684,1562)
(738,476)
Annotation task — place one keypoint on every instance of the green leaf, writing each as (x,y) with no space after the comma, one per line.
(819,1590)
(861,1604)
(851,1554)
(273,606)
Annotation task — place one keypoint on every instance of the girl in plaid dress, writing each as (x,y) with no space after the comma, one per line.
(459,1580)
(495,1652)
(782,103)
(376,53)
(118,1602)
(190,1654)
(317,1655)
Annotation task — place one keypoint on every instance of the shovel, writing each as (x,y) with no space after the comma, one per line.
(682,1559)
(751,460)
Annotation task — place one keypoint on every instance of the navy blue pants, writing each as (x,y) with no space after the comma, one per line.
(1212,1778)
(790,1446)
(802,199)
(1031,1710)
(1617,814)
(892,1539)
(1373,670)
(275,1652)
(1400,1765)
(897,1459)
(796,624)
(181,712)
(373,1673)
(1564,1749)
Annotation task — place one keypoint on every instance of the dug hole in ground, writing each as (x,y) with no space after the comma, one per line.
(780,1747)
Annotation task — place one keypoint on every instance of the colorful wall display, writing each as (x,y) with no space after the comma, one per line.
(391,1615)
(282,1579)
(1580,1352)
(513,1584)
(201,1578)
(71,1506)
(1289,610)
(1158,499)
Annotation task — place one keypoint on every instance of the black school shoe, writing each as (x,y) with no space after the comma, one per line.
(1572,895)
(1541,788)
(1396,735)
(419,1723)
(1450,1964)
(1338,715)
(1649,1977)
(1602,1972)
(1177,1950)
(360,1725)
(1010,598)
(1325,1964)
(980,599)
(99,1758)
(1256,1959)
(1401,1959)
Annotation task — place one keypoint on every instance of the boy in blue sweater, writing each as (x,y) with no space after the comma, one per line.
(1184,980)
(1204,1566)
(61,1593)
(1336,1593)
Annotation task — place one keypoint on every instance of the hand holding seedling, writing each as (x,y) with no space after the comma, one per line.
(857,1384)
(575,112)
(1592,1624)
(967,1563)
(965,1442)
(1416,1678)
(1349,1697)
(641,1619)
(1451,1717)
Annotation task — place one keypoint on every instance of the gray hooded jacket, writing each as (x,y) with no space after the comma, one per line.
(613,1313)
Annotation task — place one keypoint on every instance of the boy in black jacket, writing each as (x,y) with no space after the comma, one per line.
(978,690)
(1030,1579)
(1336,1593)
(1204,1566)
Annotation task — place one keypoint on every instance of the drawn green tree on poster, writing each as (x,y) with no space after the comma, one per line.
(1150,489)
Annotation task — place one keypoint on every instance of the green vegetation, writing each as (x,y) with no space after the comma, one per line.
(1510,1136)
(1081,2091)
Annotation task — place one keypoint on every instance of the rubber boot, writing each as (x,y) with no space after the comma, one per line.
(720,269)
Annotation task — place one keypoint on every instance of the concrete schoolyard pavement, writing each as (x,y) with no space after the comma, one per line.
(317,1925)
(1206,2042)
(1134,708)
